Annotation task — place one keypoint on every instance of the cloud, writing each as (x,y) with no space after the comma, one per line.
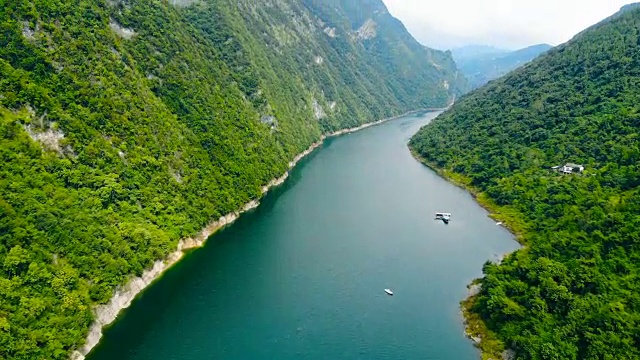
(502,23)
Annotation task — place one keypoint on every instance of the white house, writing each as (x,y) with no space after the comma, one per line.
(570,168)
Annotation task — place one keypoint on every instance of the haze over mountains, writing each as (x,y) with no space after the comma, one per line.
(504,24)
(481,64)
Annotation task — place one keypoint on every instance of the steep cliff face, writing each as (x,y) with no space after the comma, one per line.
(352,60)
(126,126)
(391,51)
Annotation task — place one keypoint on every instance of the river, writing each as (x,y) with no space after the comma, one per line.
(302,276)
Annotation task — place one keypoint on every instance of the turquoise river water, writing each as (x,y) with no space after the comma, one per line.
(302,276)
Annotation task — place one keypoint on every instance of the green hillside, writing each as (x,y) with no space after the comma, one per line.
(127,125)
(574,291)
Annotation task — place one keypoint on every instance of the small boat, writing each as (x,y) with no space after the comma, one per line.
(445,217)
(388,291)
(499,223)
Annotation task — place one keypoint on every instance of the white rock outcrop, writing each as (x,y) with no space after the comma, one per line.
(176,175)
(123,32)
(330,31)
(183,3)
(49,138)
(28,32)
(508,354)
(318,112)
(473,289)
(367,30)
(269,120)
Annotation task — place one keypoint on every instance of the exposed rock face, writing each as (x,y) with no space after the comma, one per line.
(508,354)
(123,32)
(176,175)
(367,30)
(106,314)
(183,3)
(28,32)
(270,121)
(474,289)
(318,112)
(330,31)
(118,2)
(49,138)
(46,133)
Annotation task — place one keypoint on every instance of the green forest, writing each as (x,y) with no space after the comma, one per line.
(128,125)
(573,291)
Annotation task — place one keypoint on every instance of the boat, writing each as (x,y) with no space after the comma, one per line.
(499,223)
(388,291)
(445,217)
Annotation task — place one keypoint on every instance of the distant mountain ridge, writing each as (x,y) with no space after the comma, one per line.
(476,51)
(481,64)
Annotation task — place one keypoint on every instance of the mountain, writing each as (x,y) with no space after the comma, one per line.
(483,64)
(573,292)
(476,51)
(126,126)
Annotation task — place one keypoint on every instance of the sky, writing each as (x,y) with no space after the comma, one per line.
(508,24)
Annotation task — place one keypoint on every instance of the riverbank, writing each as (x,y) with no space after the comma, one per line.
(123,297)
(475,329)
(511,219)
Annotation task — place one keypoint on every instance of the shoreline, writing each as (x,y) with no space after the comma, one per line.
(495,212)
(105,314)
(474,328)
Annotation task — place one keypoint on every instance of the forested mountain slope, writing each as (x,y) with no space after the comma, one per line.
(126,125)
(480,67)
(574,291)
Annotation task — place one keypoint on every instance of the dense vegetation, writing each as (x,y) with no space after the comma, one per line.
(127,125)
(574,291)
(483,64)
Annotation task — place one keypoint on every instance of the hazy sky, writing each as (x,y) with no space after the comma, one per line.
(503,23)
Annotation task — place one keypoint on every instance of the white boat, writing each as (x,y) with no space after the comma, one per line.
(499,223)
(388,291)
(443,216)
